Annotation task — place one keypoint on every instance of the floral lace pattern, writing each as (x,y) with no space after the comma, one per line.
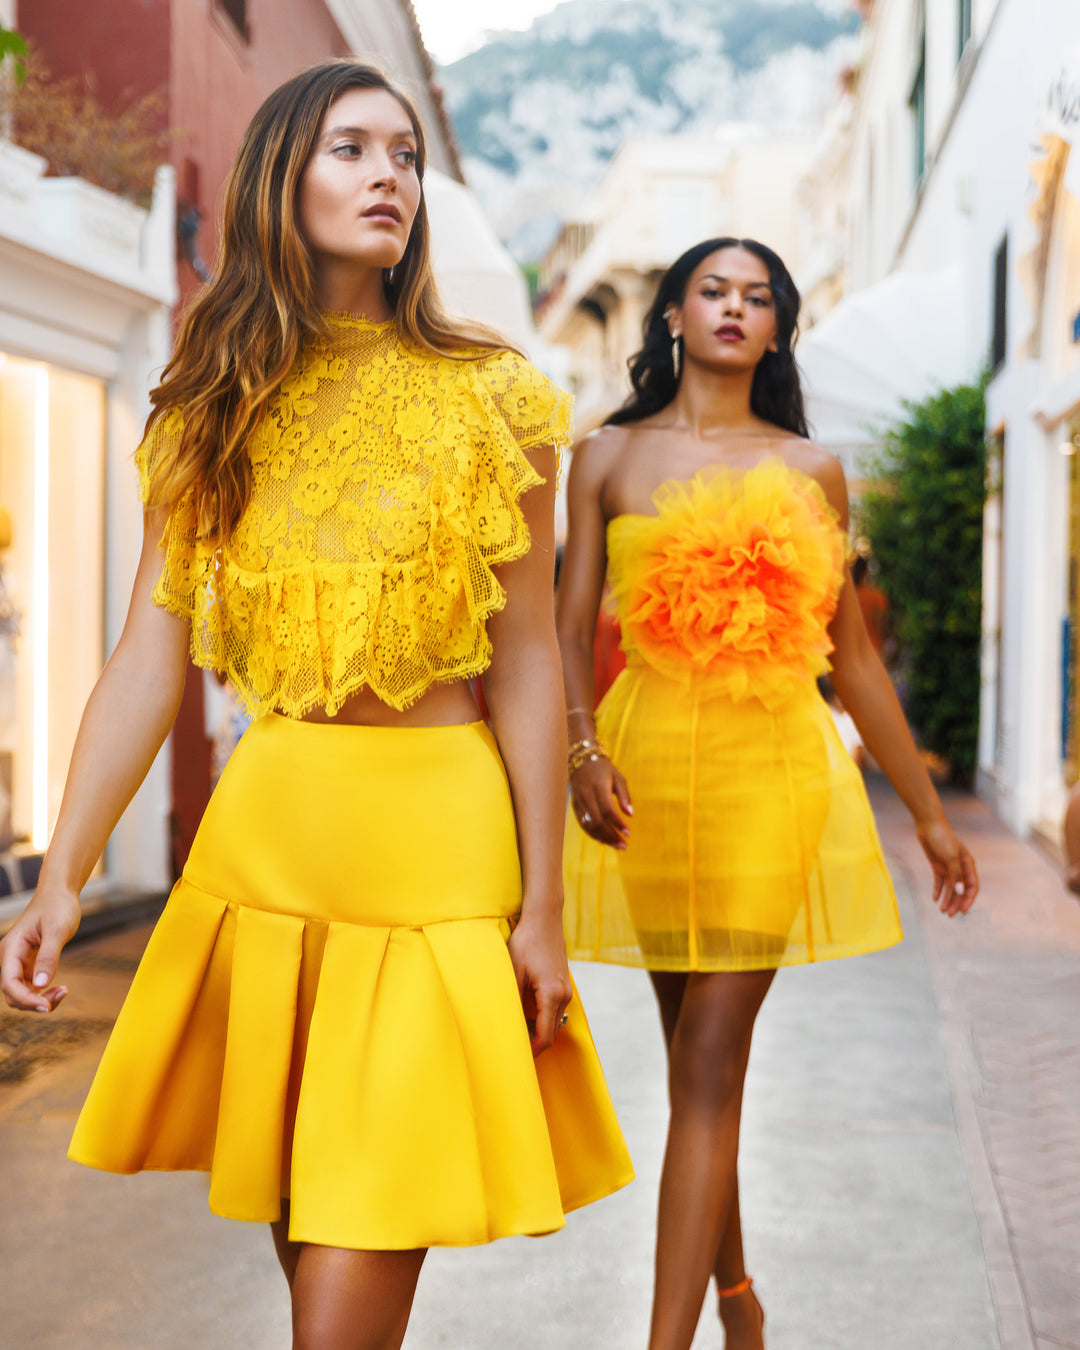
(733,583)
(385,490)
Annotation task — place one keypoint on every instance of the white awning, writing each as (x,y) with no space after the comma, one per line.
(477,277)
(900,339)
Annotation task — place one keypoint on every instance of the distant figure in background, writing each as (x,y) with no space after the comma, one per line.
(843,721)
(1071,831)
(225,721)
(874,604)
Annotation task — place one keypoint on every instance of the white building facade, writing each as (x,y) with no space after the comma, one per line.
(965,221)
(661,195)
(87,283)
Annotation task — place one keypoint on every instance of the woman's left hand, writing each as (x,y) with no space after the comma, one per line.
(538,953)
(956,883)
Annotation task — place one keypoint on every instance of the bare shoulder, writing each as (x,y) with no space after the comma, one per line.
(821,465)
(596,454)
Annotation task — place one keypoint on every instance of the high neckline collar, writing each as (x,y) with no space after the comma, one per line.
(342,319)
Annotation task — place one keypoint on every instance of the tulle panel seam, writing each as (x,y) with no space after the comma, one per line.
(796,825)
(691,928)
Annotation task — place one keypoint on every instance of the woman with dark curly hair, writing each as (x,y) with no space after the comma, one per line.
(718,829)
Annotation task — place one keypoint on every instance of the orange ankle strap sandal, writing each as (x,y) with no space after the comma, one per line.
(744,1284)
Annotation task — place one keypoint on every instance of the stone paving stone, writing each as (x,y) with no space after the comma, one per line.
(1007,979)
(860,1229)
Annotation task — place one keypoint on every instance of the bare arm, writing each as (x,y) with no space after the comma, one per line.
(127,717)
(600,797)
(868,695)
(523,689)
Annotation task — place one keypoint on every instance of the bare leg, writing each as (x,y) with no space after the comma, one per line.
(730,1266)
(1071,832)
(352,1300)
(698,1229)
(288,1253)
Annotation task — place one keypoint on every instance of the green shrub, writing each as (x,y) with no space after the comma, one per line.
(923,513)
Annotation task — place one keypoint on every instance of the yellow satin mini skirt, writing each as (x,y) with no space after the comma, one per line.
(752,844)
(327,1011)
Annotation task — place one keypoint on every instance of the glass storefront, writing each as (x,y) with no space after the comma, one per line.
(52,563)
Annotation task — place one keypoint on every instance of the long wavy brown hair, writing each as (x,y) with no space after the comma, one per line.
(245,328)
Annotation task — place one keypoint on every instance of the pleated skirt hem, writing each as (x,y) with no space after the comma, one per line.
(345,1029)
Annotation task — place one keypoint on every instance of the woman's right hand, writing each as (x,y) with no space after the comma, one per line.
(956,882)
(601,802)
(30,952)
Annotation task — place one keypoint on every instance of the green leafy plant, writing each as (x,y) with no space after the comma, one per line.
(14,45)
(923,514)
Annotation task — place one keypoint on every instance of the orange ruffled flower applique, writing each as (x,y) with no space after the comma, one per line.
(735,579)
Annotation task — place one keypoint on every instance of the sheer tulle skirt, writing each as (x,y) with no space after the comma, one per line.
(327,1009)
(752,844)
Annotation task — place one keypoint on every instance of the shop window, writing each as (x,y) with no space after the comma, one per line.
(237,13)
(963,27)
(999,337)
(52,561)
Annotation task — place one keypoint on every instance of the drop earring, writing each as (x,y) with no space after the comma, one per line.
(676,355)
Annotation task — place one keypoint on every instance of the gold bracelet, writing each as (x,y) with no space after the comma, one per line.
(574,765)
(581,752)
(571,711)
(586,742)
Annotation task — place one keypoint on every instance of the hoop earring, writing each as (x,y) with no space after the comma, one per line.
(676,356)
(390,275)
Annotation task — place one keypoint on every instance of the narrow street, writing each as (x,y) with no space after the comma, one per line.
(908,1177)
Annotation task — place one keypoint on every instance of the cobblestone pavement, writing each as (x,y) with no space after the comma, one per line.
(909,1171)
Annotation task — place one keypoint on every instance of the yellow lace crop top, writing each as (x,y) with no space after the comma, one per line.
(385,490)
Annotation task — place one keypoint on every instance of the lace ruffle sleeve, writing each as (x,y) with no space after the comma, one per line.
(164,432)
(535,411)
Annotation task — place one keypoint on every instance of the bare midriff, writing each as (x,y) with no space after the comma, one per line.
(444,705)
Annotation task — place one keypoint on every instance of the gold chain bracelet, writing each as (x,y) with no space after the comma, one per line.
(581,752)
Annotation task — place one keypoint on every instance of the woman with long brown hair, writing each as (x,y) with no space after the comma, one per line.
(718,829)
(348,512)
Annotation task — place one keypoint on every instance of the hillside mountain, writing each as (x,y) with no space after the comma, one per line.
(539,114)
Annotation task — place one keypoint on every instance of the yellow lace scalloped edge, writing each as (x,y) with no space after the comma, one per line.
(465,670)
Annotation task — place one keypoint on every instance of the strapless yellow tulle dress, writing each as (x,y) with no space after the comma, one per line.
(752,843)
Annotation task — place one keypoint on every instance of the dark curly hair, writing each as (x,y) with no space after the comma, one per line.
(775,394)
